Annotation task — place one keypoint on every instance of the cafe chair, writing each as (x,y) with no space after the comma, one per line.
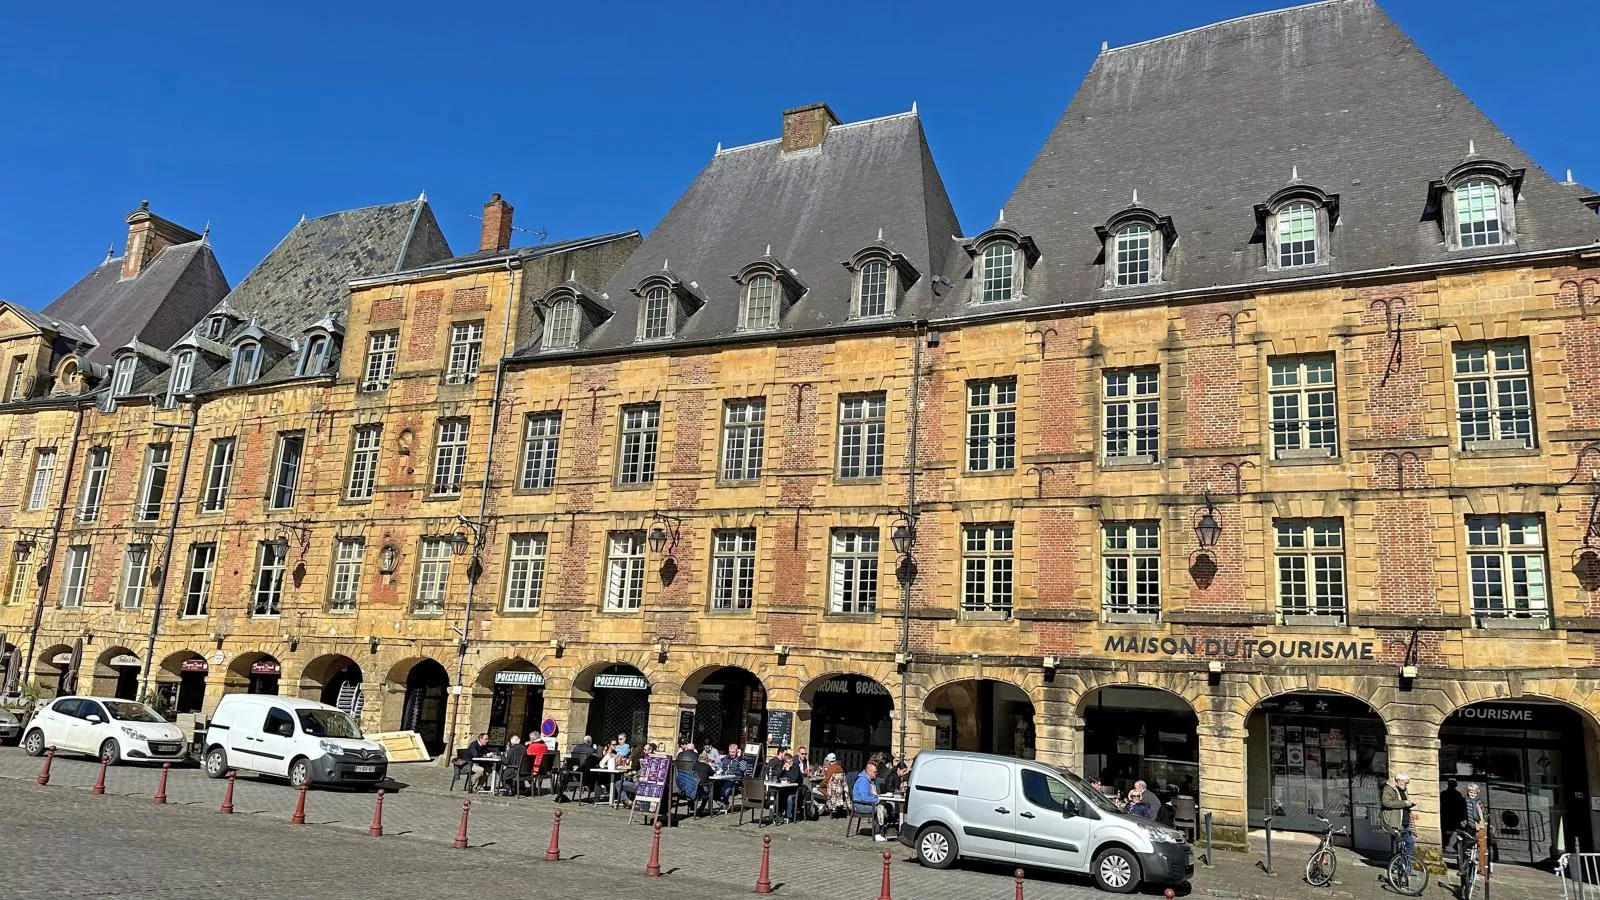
(524,777)
(854,821)
(1185,815)
(752,799)
(461,769)
(546,773)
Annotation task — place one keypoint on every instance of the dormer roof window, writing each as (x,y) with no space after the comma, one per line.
(880,278)
(1477,203)
(769,289)
(665,303)
(246,365)
(1002,257)
(561,324)
(182,376)
(1296,224)
(122,375)
(216,327)
(1134,245)
(314,356)
(571,311)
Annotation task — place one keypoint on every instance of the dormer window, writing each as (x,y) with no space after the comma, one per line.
(769,289)
(880,277)
(182,375)
(561,325)
(216,327)
(1297,235)
(246,363)
(872,292)
(1476,204)
(665,303)
(1294,225)
(122,375)
(314,357)
(1478,213)
(1133,255)
(1001,260)
(758,303)
(656,317)
(999,273)
(1134,245)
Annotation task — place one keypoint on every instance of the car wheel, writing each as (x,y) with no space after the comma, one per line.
(1116,870)
(936,847)
(216,763)
(110,753)
(33,744)
(299,773)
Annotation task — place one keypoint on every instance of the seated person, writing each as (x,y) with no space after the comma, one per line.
(476,770)
(896,781)
(833,785)
(864,799)
(1139,805)
(733,767)
(511,764)
(684,780)
(630,782)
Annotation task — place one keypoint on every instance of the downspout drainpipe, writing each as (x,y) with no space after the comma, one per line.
(911,517)
(166,552)
(483,502)
(26,674)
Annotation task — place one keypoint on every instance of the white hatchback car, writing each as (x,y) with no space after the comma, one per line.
(112,729)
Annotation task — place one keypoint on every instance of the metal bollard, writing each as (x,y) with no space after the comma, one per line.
(44,770)
(461,833)
(1206,857)
(764,877)
(1267,866)
(883,890)
(100,780)
(1019,884)
(553,854)
(376,828)
(652,866)
(227,795)
(299,816)
(161,786)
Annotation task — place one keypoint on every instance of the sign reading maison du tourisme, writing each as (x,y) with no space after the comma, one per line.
(1179,646)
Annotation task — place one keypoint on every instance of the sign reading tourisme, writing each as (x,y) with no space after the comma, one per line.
(1176,646)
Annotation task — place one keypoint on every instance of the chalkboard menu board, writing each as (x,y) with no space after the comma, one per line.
(654,771)
(780,728)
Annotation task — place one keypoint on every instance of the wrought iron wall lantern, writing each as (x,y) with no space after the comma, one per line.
(664,532)
(1208,528)
(903,537)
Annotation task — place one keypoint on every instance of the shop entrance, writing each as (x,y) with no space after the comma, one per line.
(1311,753)
(619,701)
(730,707)
(509,696)
(181,680)
(1142,734)
(1528,761)
(336,680)
(427,692)
(852,716)
(53,670)
(982,715)
(116,674)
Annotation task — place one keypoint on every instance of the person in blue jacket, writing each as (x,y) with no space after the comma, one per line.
(864,799)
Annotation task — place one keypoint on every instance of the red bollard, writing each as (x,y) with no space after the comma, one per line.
(1168,894)
(764,880)
(1019,884)
(554,853)
(376,828)
(299,817)
(652,868)
(461,833)
(227,795)
(100,780)
(44,772)
(883,892)
(161,786)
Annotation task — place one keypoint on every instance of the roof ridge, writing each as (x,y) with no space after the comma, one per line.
(910,113)
(355,209)
(1232,21)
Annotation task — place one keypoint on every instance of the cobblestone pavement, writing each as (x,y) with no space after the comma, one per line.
(121,845)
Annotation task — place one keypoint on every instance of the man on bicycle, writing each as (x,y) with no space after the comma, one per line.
(1396,815)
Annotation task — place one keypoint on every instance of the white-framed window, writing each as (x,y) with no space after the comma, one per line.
(246,363)
(382,349)
(1131,413)
(286,471)
(17,589)
(216,327)
(450,457)
(135,575)
(861,435)
(1506,559)
(992,425)
(655,320)
(1310,556)
(541,449)
(853,571)
(561,325)
(1477,203)
(314,358)
(760,303)
(272,561)
(1297,235)
(624,571)
(122,375)
(1132,255)
(744,439)
(197,587)
(525,572)
(153,487)
(433,576)
(733,569)
(466,351)
(1131,554)
(641,434)
(16,380)
(44,471)
(1305,407)
(182,376)
(74,576)
(96,468)
(987,582)
(219,474)
(872,290)
(999,273)
(362,478)
(349,555)
(1494,395)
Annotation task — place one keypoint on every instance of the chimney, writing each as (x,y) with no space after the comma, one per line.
(149,234)
(496,224)
(804,127)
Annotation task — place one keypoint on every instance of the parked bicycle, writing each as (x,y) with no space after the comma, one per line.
(1407,874)
(1323,861)
(1467,866)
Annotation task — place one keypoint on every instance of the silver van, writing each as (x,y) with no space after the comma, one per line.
(1023,813)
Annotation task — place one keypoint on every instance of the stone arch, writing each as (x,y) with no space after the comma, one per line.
(241,678)
(979,710)
(842,713)
(49,674)
(113,675)
(417,698)
(181,679)
(514,706)
(328,679)
(1079,687)
(591,707)
(727,703)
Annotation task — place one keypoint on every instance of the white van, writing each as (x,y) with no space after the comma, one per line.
(1023,813)
(301,740)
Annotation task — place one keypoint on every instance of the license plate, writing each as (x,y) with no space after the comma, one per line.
(363,770)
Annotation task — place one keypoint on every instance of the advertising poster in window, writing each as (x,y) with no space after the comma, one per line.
(1296,758)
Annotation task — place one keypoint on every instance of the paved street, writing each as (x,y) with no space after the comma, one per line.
(121,845)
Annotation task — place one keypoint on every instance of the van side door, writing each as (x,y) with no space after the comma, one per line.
(1051,827)
(276,741)
(987,806)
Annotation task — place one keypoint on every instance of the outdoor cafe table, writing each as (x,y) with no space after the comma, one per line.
(611,787)
(775,794)
(893,801)
(721,780)
(491,773)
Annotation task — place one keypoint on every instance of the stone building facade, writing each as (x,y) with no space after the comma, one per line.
(1233,476)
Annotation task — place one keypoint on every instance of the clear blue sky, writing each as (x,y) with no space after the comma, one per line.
(592,117)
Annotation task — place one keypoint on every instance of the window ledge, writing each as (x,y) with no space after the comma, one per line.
(1312,620)
(345,613)
(621,612)
(518,613)
(427,613)
(844,618)
(440,498)
(352,501)
(731,613)
(1318,454)
(1125,618)
(1509,624)
(738,483)
(989,473)
(634,485)
(534,492)
(1118,462)
(985,615)
(869,479)
(1499,448)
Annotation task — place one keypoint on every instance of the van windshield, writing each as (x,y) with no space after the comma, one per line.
(1089,792)
(126,711)
(328,723)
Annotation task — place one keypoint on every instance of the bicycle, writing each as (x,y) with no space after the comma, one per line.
(1323,861)
(1467,867)
(1407,874)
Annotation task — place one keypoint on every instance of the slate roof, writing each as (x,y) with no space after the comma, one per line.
(814,208)
(1208,123)
(173,290)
